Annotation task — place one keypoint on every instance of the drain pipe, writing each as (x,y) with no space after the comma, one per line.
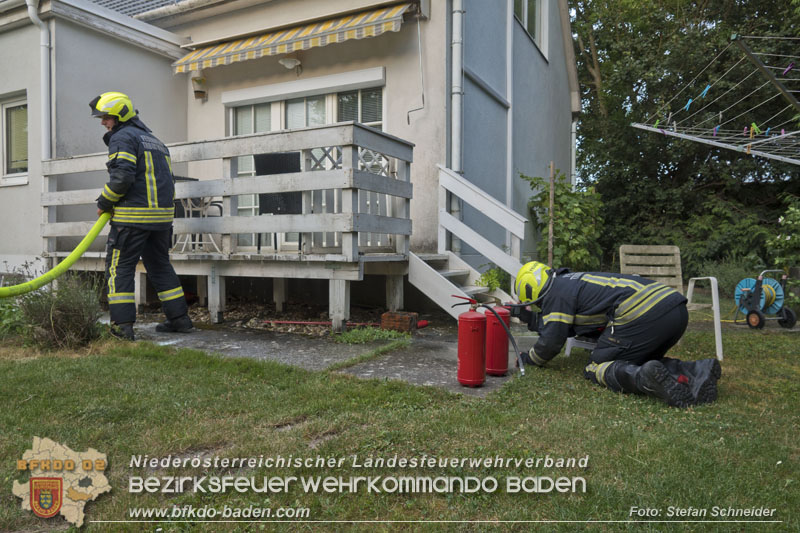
(456,110)
(44,64)
(457,89)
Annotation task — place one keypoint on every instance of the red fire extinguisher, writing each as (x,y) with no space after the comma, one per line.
(471,346)
(497,341)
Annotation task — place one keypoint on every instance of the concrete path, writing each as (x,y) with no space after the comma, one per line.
(430,360)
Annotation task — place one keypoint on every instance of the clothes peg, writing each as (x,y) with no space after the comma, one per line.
(705,91)
(686,107)
(787,69)
(656,124)
(715,130)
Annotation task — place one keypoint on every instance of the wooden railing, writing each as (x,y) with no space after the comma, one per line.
(451,182)
(354,181)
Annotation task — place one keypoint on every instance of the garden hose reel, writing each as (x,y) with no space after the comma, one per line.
(762,296)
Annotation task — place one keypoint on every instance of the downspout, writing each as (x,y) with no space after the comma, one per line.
(457,86)
(510,114)
(456,109)
(44,65)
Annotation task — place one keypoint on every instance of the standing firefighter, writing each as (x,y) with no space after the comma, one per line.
(140,195)
(635,322)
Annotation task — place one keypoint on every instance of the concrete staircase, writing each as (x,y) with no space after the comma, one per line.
(443,274)
(439,276)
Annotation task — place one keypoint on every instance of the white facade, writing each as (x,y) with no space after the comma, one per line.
(518,92)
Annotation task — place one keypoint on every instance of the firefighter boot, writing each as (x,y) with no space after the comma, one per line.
(123,331)
(702,375)
(182,324)
(654,379)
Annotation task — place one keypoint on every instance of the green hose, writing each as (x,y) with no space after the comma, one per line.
(63,266)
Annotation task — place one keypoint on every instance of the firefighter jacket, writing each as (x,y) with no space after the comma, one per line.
(140,189)
(585,303)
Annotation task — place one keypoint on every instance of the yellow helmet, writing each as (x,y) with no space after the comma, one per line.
(115,104)
(531,279)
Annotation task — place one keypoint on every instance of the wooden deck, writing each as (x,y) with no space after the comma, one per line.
(355,188)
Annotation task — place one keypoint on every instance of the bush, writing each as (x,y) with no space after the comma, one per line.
(495,278)
(11,321)
(731,271)
(577,223)
(64,315)
(785,247)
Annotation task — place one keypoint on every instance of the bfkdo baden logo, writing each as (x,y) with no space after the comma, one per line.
(61,480)
(46,495)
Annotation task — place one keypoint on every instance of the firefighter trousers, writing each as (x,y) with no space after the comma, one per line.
(622,350)
(125,246)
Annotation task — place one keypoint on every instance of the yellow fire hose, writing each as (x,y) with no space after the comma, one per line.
(63,266)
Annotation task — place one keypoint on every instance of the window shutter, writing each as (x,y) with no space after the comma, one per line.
(371,105)
(347,106)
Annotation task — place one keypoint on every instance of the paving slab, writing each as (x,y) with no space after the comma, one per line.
(311,353)
(430,360)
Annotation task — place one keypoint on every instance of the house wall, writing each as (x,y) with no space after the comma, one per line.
(84,63)
(540,112)
(542,115)
(397,52)
(81,73)
(20,214)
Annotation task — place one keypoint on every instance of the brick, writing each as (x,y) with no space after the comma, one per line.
(399,321)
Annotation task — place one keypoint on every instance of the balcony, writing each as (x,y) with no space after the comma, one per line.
(350,190)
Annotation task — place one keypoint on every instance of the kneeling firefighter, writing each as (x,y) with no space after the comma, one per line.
(140,195)
(634,321)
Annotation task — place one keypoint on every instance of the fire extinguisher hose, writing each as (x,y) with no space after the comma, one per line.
(63,266)
(510,337)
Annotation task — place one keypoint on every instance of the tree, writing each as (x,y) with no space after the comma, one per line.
(633,56)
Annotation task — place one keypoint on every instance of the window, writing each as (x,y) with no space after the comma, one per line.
(246,120)
(529,14)
(361,105)
(14,136)
(305,112)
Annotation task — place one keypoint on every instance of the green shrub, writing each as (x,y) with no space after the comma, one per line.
(63,314)
(11,321)
(365,335)
(577,223)
(785,248)
(495,278)
(730,272)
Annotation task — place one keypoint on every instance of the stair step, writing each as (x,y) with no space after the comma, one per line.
(433,257)
(472,290)
(453,273)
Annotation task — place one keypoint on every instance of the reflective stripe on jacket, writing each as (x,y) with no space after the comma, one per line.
(140,189)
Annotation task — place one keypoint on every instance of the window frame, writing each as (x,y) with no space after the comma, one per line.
(278,122)
(17,178)
(538,33)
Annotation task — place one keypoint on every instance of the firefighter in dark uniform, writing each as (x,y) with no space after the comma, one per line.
(140,196)
(634,320)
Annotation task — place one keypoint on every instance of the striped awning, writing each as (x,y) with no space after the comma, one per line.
(358,26)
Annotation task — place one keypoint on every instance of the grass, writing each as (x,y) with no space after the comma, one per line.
(365,335)
(131,399)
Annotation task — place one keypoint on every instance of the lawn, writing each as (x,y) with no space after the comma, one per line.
(128,400)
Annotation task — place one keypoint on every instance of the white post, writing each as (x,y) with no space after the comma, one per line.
(350,204)
(394,292)
(339,303)
(279,291)
(230,204)
(140,289)
(216,295)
